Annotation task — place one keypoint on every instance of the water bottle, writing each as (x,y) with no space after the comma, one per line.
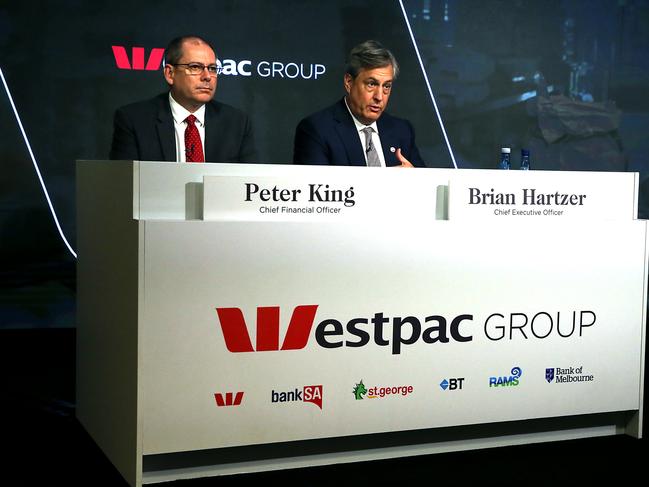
(504,158)
(525,159)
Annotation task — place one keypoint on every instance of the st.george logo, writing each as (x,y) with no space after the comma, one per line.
(359,391)
(237,338)
(137,60)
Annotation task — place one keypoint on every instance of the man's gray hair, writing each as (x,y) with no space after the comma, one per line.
(370,55)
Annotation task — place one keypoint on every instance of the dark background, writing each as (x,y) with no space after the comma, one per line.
(566,79)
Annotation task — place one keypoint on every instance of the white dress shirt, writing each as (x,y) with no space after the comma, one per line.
(179,114)
(376,140)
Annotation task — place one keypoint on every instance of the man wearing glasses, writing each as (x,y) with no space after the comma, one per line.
(357,131)
(185,124)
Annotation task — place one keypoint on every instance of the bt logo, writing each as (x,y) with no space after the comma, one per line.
(452,384)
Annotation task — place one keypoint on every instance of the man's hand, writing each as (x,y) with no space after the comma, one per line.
(404,162)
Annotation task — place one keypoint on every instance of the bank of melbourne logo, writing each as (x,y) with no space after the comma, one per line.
(359,390)
(228,399)
(452,384)
(549,374)
(568,375)
(312,394)
(511,380)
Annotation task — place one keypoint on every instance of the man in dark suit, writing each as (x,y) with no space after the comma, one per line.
(185,124)
(357,131)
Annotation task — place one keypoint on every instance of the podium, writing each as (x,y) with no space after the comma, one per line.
(236,318)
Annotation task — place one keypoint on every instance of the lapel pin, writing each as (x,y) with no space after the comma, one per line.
(392,149)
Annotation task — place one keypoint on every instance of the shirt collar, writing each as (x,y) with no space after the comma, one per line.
(180,113)
(360,126)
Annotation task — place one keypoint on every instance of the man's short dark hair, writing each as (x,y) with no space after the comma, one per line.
(174,51)
(370,55)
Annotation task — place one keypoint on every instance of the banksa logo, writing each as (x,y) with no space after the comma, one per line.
(312,394)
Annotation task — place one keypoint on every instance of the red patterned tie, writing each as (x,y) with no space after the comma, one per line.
(193,146)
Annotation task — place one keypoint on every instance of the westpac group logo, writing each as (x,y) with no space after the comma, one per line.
(511,380)
(312,394)
(237,339)
(139,61)
(228,399)
(393,332)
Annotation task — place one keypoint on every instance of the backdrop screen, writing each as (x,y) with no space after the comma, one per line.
(566,79)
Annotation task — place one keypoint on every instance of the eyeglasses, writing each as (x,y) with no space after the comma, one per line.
(371,85)
(195,69)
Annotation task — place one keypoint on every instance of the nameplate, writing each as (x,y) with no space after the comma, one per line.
(542,195)
(320,196)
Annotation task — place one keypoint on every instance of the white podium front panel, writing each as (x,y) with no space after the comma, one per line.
(205,335)
(391,328)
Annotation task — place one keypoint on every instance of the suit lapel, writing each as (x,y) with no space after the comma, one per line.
(165,128)
(212,130)
(348,135)
(389,142)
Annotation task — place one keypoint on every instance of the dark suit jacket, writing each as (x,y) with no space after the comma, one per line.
(144,131)
(330,137)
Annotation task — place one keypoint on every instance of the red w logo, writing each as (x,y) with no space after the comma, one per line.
(228,400)
(236,334)
(137,53)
